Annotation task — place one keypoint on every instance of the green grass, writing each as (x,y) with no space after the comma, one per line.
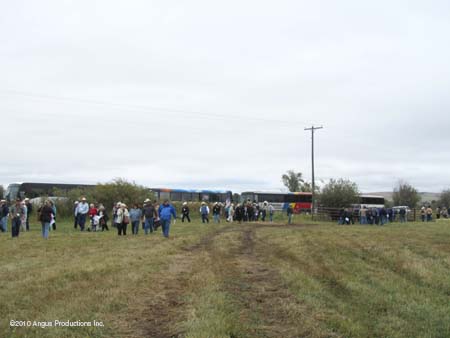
(228,280)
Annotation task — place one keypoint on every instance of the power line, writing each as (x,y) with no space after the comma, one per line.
(152,109)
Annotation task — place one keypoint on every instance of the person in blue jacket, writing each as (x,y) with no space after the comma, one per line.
(166,211)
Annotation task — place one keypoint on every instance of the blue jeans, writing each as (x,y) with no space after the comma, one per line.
(135,227)
(149,225)
(165,226)
(363,220)
(205,218)
(82,221)
(45,229)
(289,218)
(271,217)
(402,219)
(4,223)
(15,226)
(216,218)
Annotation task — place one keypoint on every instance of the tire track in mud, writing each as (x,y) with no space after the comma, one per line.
(164,304)
(267,307)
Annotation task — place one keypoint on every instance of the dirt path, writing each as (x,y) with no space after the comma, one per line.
(266,307)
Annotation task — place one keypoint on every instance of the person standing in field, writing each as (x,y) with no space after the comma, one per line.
(383,216)
(289,212)
(135,218)
(24,219)
(264,211)
(103,217)
(271,210)
(230,213)
(4,212)
(92,213)
(82,211)
(216,212)
(363,215)
(429,212)
(257,210)
(239,213)
(122,220)
(29,211)
(75,216)
(185,213)
(250,212)
(422,213)
(402,214)
(204,212)
(17,213)
(149,214)
(166,211)
(376,215)
(45,216)
(438,212)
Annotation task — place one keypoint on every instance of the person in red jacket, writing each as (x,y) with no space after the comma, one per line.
(93,211)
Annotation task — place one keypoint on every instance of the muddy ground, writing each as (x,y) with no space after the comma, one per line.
(263,302)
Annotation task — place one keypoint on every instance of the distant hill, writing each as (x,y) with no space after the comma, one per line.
(424,196)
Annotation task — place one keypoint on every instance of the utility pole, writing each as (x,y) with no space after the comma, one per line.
(313,203)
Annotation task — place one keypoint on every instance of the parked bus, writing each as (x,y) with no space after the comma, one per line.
(33,190)
(370,201)
(192,195)
(299,201)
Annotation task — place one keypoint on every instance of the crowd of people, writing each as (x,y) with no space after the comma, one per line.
(19,214)
(381,216)
(150,215)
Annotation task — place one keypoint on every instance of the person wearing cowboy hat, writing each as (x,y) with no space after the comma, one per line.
(149,215)
(204,211)
(81,212)
(17,213)
(185,213)
(122,219)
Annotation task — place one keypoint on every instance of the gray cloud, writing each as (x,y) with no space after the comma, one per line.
(216,95)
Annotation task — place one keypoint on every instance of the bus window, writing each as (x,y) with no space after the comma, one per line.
(164,195)
(186,196)
(175,196)
(214,197)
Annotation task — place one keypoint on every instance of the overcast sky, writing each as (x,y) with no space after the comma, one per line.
(209,94)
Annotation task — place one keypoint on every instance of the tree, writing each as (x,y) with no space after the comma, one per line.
(105,193)
(2,191)
(405,194)
(120,190)
(292,180)
(339,193)
(444,200)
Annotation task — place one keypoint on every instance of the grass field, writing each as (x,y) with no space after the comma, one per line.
(231,280)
